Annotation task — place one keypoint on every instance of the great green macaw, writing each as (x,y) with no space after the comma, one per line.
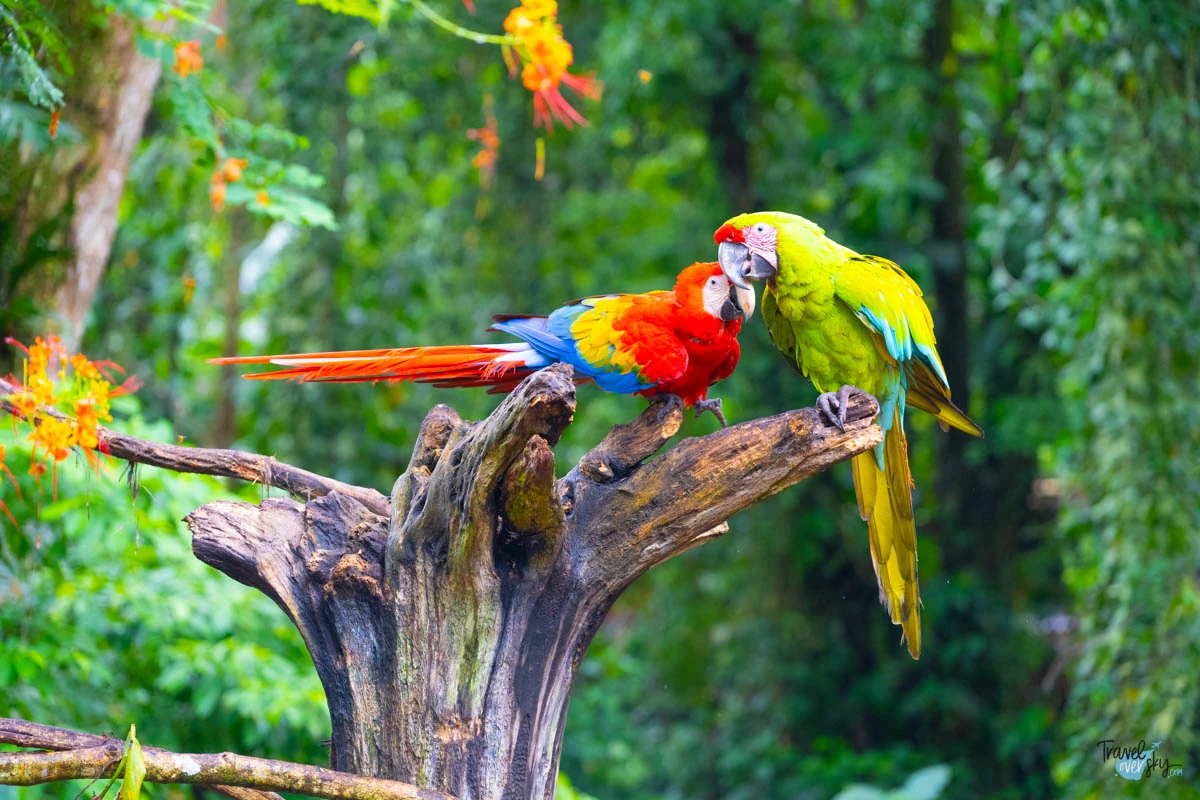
(853,323)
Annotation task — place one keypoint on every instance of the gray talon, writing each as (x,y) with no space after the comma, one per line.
(667,403)
(833,405)
(713,406)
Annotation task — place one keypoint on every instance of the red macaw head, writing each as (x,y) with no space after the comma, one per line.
(704,286)
(747,248)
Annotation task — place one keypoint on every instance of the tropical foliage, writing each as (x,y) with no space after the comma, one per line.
(1033,165)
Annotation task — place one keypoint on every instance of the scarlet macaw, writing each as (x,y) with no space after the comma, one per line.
(676,342)
(855,322)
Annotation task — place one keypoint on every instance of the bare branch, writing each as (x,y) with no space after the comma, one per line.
(255,545)
(680,499)
(207,769)
(630,444)
(249,467)
(46,737)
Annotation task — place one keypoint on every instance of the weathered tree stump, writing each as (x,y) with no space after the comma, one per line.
(448,635)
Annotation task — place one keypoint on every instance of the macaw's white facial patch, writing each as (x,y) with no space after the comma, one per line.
(715,293)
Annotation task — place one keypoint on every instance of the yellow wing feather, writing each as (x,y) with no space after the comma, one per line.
(597,339)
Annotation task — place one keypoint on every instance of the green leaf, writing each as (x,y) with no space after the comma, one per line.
(861,792)
(283,204)
(926,784)
(36,33)
(352,8)
(135,767)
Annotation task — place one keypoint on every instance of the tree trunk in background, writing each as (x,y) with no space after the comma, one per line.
(117,105)
(107,101)
(948,248)
(448,633)
(730,119)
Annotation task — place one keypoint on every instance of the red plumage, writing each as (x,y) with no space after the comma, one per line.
(655,343)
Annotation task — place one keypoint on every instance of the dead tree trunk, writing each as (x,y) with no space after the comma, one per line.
(448,635)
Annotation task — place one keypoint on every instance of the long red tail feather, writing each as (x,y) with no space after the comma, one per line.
(455,365)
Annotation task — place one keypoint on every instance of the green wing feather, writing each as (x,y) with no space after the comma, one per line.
(892,305)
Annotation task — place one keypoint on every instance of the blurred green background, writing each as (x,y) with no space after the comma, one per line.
(1034,165)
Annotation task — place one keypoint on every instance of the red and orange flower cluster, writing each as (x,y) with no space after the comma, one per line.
(64,398)
(188,58)
(230,171)
(489,139)
(542,56)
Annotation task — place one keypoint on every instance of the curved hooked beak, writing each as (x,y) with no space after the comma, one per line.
(740,263)
(739,304)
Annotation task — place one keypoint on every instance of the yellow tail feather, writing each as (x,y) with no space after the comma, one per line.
(927,394)
(885,502)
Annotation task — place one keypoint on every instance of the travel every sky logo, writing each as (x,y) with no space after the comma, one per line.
(1135,762)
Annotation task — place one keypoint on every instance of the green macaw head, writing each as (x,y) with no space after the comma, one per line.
(748,244)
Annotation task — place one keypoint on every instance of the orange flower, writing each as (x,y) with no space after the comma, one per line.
(84,432)
(42,389)
(188,58)
(55,436)
(484,159)
(521,19)
(25,404)
(83,367)
(217,197)
(488,138)
(99,393)
(546,56)
(54,124)
(86,395)
(41,352)
(221,43)
(262,197)
(540,8)
(233,169)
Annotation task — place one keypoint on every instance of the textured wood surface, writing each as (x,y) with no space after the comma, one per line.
(74,755)
(448,623)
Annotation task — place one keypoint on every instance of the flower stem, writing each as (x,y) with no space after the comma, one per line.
(458,30)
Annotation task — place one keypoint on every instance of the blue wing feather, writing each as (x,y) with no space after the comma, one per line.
(552,337)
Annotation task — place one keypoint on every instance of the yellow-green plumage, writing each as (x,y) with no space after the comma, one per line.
(849,319)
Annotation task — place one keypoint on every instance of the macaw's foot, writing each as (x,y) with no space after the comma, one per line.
(713,405)
(833,405)
(667,403)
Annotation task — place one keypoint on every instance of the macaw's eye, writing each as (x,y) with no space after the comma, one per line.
(712,281)
(760,228)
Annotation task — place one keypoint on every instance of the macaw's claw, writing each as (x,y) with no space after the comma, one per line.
(667,403)
(833,405)
(712,405)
